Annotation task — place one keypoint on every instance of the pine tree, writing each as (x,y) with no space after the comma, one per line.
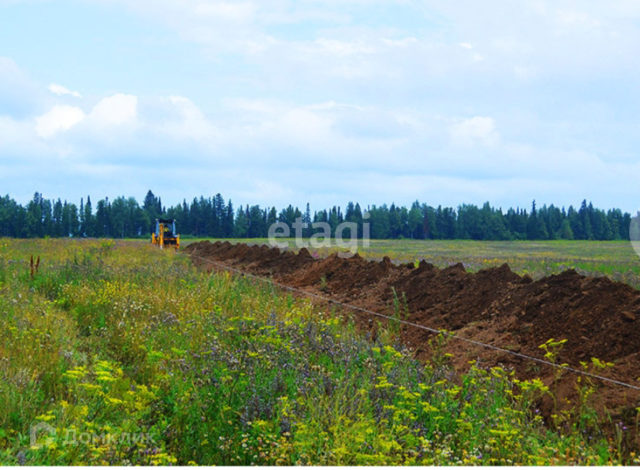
(583,214)
(87,228)
(565,230)
(536,228)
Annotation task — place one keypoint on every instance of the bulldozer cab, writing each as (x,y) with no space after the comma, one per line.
(165,234)
(168,226)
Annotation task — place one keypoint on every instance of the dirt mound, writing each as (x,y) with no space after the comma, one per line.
(598,317)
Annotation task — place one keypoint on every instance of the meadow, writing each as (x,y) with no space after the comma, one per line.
(615,259)
(131,355)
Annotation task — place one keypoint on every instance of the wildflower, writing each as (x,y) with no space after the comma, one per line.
(46,417)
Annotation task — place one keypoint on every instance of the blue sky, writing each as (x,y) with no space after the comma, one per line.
(322,101)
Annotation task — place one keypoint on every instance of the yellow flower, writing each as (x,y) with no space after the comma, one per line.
(46,417)
(105,378)
(427,407)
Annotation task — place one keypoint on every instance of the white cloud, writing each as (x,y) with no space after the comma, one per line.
(115,110)
(191,122)
(400,42)
(476,130)
(112,111)
(254,107)
(326,84)
(60,90)
(576,18)
(239,12)
(328,105)
(523,72)
(59,118)
(20,143)
(20,95)
(275,190)
(298,127)
(337,48)
(341,144)
(222,26)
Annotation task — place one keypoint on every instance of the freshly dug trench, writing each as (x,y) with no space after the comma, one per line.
(598,317)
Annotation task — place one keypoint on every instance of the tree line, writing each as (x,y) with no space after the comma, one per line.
(216,218)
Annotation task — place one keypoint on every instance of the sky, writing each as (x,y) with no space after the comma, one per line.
(278,102)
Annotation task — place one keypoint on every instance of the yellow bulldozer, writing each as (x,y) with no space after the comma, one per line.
(165,234)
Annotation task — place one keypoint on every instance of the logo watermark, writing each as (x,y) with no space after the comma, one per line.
(321,237)
(44,435)
(41,428)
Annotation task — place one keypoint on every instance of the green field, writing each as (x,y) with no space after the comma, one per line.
(133,356)
(615,259)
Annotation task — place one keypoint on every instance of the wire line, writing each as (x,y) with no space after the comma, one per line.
(422,327)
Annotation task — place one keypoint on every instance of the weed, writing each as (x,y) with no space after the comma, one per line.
(400,313)
(552,349)
(323,284)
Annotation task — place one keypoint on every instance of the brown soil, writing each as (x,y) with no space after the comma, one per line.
(598,317)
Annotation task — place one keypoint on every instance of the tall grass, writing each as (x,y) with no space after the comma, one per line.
(146,360)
